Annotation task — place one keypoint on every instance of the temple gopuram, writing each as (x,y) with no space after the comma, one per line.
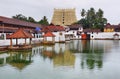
(64,17)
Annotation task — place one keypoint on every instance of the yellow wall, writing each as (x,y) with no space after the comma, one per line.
(108,30)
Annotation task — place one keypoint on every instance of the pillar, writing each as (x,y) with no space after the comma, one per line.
(10,42)
(30,40)
(25,41)
(16,41)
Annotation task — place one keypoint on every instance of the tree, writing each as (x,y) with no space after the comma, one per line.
(44,21)
(30,19)
(92,19)
(84,23)
(20,17)
(24,18)
(83,12)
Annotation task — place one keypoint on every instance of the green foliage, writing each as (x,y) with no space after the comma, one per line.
(83,12)
(20,17)
(30,19)
(92,19)
(24,18)
(44,21)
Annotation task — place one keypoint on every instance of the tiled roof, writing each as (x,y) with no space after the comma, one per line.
(75,27)
(53,28)
(49,34)
(17,22)
(20,33)
(91,30)
(115,27)
(7,30)
(108,25)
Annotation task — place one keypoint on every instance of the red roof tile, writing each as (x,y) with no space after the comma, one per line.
(49,34)
(20,33)
(91,30)
(53,28)
(17,22)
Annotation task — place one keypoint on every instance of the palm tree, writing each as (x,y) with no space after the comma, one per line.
(83,12)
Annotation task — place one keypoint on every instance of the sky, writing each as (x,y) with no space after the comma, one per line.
(39,8)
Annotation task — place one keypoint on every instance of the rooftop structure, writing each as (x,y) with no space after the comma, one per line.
(53,28)
(11,25)
(64,16)
(20,33)
(112,28)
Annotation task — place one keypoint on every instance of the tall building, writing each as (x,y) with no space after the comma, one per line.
(63,17)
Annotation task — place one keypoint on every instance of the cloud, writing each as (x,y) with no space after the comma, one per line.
(39,8)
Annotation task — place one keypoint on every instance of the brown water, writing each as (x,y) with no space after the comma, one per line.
(77,59)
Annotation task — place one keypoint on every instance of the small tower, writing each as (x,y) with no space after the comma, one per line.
(64,17)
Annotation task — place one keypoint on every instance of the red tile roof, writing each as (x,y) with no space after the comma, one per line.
(108,25)
(20,33)
(17,22)
(75,26)
(53,28)
(91,30)
(49,34)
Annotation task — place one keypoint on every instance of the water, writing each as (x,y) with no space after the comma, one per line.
(77,59)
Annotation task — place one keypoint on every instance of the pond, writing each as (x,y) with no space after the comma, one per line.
(76,59)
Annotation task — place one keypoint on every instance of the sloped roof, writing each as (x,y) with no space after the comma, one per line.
(91,30)
(17,22)
(75,26)
(108,25)
(116,34)
(53,28)
(20,33)
(49,34)
(19,66)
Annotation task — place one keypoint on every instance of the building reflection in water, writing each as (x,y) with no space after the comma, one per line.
(65,59)
(90,53)
(3,57)
(18,60)
(60,55)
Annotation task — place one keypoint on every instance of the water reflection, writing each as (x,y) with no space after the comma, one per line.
(18,60)
(59,55)
(65,61)
(90,55)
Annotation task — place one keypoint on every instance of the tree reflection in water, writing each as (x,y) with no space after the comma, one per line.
(19,59)
(90,51)
(90,55)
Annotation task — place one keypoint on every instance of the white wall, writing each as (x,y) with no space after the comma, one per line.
(7,42)
(59,37)
(74,32)
(104,35)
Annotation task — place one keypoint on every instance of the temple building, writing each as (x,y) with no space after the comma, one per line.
(64,17)
(10,25)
